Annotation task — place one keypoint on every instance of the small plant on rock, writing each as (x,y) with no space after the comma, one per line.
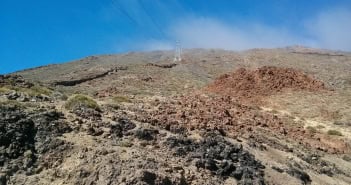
(79,100)
(38,90)
(334,132)
(320,126)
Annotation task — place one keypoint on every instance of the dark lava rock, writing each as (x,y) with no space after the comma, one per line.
(17,135)
(2,179)
(13,95)
(121,128)
(277,169)
(94,131)
(27,137)
(146,134)
(162,65)
(178,142)
(116,131)
(15,80)
(183,146)
(148,177)
(327,170)
(25,97)
(48,126)
(303,176)
(322,166)
(220,157)
(88,113)
(347,158)
(176,128)
(126,124)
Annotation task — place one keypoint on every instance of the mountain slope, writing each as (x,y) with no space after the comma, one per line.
(140,118)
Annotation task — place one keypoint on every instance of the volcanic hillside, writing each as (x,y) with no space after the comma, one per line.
(140,118)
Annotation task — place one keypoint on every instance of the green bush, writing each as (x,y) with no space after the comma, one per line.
(38,90)
(80,100)
(334,132)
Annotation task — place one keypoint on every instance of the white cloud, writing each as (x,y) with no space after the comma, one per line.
(329,29)
(157,45)
(332,29)
(211,33)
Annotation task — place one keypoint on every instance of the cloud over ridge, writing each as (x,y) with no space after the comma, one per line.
(328,30)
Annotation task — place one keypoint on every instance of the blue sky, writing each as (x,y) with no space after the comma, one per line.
(34,33)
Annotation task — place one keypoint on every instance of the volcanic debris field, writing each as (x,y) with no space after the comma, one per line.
(261,116)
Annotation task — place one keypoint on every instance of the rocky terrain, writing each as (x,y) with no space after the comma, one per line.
(262,116)
(247,85)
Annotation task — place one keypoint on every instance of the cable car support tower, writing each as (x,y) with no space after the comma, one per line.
(178,52)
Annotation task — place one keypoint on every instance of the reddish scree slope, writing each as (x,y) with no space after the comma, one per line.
(263,81)
(200,112)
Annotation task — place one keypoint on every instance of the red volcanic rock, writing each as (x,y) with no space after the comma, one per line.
(230,117)
(264,81)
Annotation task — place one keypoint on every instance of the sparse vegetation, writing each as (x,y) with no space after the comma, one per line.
(12,103)
(346,158)
(121,99)
(342,123)
(116,101)
(338,123)
(32,91)
(37,90)
(113,106)
(80,100)
(320,126)
(125,143)
(334,132)
(174,100)
(290,117)
(273,111)
(311,129)
(4,90)
(330,114)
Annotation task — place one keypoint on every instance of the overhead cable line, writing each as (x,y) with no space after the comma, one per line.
(117,5)
(157,26)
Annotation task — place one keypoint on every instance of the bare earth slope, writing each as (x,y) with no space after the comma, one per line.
(262,116)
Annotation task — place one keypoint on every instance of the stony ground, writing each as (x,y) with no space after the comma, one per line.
(277,116)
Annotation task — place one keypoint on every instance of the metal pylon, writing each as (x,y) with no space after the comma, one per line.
(178,52)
